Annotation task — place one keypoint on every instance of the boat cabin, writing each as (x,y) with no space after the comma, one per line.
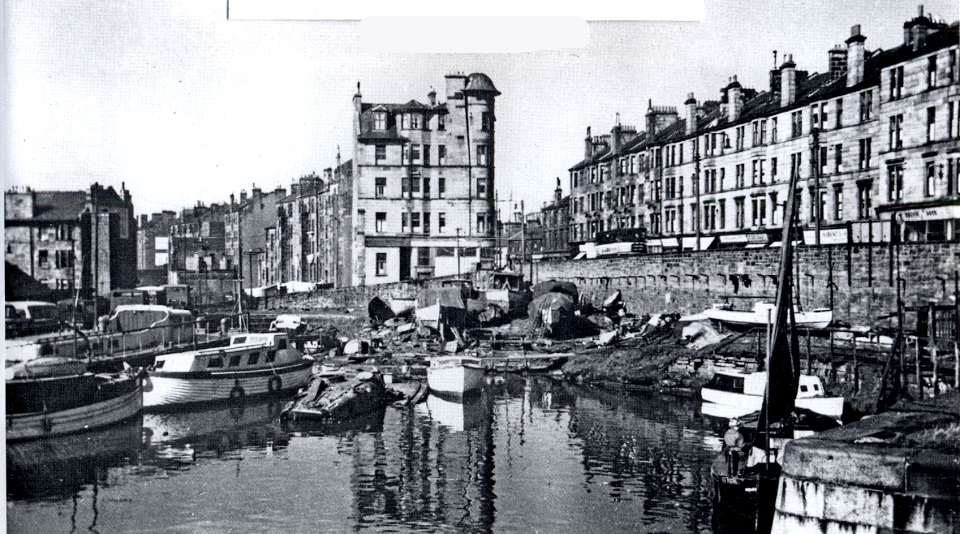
(245,352)
(756,383)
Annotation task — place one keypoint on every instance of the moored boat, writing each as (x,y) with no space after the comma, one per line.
(763,312)
(454,375)
(58,396)
(253,364)
(339,401)
(743,393)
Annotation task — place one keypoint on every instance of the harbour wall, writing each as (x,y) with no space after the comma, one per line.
(860,280)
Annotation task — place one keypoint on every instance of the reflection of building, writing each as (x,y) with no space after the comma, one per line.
(872,138)
(424,183)
(69,240)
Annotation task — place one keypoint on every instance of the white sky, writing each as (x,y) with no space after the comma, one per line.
(183,105)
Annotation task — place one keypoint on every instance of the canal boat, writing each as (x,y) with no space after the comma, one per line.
(58,396)
(252,364)
(743,392)
(455,375)
(762,313)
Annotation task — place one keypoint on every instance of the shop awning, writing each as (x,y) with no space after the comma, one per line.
(654,243)
(690,243)
(735,238)
(671,242)
(580,256)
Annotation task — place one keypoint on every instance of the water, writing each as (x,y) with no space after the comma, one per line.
(527,455)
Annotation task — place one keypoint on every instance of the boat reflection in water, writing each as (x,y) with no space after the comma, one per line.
(60,466)
(456,414)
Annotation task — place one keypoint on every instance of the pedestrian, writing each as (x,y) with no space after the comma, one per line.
(733,443)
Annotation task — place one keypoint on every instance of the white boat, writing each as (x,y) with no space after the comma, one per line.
(763,311)
(743,393)
(58,396)
(457,375)
(253,364)
(400,306)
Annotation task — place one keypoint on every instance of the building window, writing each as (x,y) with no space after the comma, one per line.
(426,187)
(895,182)
(866,106)
(896,82)
(864,199)
(930,183)
(838,204)
(381,154)
(796,124)
(740,213)
(932,71)
(441,187)
(481,223)
(404,222)
(405,186)
(723,213)
(741,179)
(756,133)
(482,155)
(381,264)
(380,187)
(773,170)
(426,155)
(741,134)
(753,174)
(895,138)
(482,187)
(839,110)
(951,65)
(818,199)
(823,157)
(441,154)
(953,120)
(415,184)
(64,259)
(423,256)
(795,163)
(426,222)
(759,211)
(931,123)
(953,176)
(381,221)
(486,121)
(837,158)
(773,130)
(380,121)
(441,122)
(415,222)
(763,132)
(43,258)
(415,153)
(416,121)
(865,153)
(442,223)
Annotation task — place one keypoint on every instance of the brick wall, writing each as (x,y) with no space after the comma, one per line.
(863,278)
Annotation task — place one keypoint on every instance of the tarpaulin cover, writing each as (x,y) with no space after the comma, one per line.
(379,310)
(551,309)
(556,286)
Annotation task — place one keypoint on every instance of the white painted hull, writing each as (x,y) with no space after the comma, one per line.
(731,404)
(169,390)
(813,319)
(83,418)
(455,379)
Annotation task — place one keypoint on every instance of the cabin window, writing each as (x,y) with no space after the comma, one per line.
(215,362)
(816,387)
(254,358)
(239,340)
(803,389)
(271,356)
(283,343)
(234,360)
(159,364)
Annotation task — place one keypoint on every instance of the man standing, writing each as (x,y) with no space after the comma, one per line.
(733,442)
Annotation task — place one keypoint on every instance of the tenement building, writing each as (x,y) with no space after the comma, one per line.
(61,242)
(874,143)
(423,184)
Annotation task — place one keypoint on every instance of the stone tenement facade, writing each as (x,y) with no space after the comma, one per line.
(423,197)
(863,278)
(68,241)
(874,141)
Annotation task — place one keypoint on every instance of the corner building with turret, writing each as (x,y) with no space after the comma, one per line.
(423,184)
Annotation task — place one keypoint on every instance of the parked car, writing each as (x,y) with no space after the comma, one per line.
(28,317)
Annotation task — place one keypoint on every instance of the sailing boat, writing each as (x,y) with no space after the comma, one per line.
(744,501)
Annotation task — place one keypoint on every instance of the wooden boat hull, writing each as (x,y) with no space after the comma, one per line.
(815,319)
(79,419)
(166,389)
(456,379)
(741,404)
(743,504)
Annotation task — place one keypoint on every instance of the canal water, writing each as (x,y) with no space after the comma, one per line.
(528,454)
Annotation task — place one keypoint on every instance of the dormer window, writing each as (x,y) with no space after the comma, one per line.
(380,121)
(411,121)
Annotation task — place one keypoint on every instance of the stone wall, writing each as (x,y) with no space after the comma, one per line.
(863,278)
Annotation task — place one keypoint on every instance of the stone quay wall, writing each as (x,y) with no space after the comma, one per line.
(863,278)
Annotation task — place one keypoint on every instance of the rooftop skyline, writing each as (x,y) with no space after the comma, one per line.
(183,105)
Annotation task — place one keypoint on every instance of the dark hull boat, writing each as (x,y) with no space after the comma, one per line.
(340,401)
(58,396)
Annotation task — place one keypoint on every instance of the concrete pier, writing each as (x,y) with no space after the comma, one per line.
(898,472)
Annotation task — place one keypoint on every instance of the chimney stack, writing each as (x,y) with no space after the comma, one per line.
(837,60)
(588,146)
(615,138)
(788,81)
(432,96)
(855,56)
(455,84)
(734,99)
(691,104)
(243,195)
